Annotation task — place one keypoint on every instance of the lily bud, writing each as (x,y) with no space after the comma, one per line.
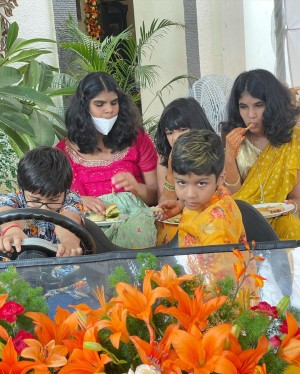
(236,330)
(282,305)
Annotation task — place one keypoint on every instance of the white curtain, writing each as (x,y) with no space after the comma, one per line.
(292,11)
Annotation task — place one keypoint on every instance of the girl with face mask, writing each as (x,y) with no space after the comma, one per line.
(112,157)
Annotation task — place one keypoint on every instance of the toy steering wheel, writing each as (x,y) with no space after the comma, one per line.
(87,241)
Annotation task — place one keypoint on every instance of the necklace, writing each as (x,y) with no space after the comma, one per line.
(257,167)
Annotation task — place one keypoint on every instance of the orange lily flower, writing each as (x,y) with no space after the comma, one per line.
(116,324)
(158,354)
(202,353)
(239,269)
(289,349)
(11,365)
(167,277)
(192,310)
(50,355)
(139,304)
(239,255)
(86,361)
(245,361)
(63,326)
(94,314)
(259,280)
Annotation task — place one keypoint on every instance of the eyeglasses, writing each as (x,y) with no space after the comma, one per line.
(38,204)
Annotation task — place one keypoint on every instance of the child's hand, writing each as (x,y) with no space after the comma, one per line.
(93,204)
(12,240)
(64,251)
(170,208)
(126,181)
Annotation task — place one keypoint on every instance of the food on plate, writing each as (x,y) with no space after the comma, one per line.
(96,217)
(112,212)
(175,219)
(271,209)
(156,209)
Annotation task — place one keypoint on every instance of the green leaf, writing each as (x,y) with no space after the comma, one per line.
(9,101)
(62,91)
(32,74)
(38,75)
(26,55)
(46,77)
(15,138)
(17,122)
(42,127)
(9,76)
(28,94)
(58,119)
(24,43)
(12,35)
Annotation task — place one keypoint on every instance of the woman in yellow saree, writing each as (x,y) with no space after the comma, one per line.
(262,143)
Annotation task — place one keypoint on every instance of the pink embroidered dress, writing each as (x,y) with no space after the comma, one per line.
(93,177)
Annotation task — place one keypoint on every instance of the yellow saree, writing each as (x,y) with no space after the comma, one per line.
(271,178)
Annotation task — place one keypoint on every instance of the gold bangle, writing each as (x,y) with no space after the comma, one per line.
(233,184)
(169,186)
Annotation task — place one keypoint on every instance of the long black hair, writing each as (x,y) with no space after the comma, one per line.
(180,113)
(81,130)
(279,117)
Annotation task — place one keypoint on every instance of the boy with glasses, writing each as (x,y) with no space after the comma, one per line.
(44,177)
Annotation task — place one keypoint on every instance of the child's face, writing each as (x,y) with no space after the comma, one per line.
(195,191)
(172,135)
(35,200)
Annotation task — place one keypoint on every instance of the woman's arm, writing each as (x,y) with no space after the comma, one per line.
(295,193)
(233,140)
(145,191)
(165,180)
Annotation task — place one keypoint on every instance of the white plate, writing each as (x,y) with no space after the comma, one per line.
(287,208)
(109,223)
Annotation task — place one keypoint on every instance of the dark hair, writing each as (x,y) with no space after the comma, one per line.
(46,171)
(199,152)
(183,112)
(279,117)
(81,130)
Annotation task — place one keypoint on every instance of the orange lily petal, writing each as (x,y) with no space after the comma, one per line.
(239,255)
(3,299)
(51,355)
(239,270)
(10,363)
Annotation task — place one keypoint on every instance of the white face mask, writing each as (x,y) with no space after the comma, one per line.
(104,125)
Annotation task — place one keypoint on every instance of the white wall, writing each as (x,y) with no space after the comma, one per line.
(221,37)
(169,53)
(259,36)
(35,19)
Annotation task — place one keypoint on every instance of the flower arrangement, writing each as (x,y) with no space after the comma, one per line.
(172,324)
(92,19)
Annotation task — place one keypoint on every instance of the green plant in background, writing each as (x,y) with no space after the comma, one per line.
(31,298)
(120,56)
(27,113)
(8,166)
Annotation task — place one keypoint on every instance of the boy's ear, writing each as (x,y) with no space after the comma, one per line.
(221,179)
